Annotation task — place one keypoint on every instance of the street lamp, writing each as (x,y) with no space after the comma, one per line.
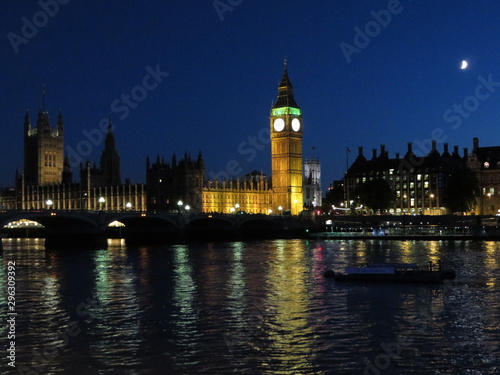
(49,204)
(101,201)
(187,208)
(237,206)
(280,209)
(179,205)
(232,209)
(269,211)
(128,205)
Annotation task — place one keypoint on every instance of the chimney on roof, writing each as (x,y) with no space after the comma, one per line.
(360,150)
(374,153)
(382,149)
(397,155)
(475,144)
(433,146)
(455,150)
(410,148)
(466,153)
(445,148)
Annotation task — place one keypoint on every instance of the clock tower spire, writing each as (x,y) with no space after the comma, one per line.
(286,149)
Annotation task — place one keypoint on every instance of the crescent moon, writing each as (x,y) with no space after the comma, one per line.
(464,65)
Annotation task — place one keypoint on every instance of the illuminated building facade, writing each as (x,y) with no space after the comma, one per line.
(249,194)
(170,183)
(417,182)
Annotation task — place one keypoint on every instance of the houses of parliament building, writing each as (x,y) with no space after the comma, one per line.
(46,181)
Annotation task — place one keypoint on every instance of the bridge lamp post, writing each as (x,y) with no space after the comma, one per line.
(179,206)
(187,207)
(280,209)
(49,204)
(269,211)
(232,209)
(101,201)
(237,206)
(128,206)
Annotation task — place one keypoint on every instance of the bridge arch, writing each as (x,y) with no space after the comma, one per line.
(129,220)
(150,228)
(54,222)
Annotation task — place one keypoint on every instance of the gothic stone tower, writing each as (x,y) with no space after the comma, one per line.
(110,160)
(43,150)
(286,149)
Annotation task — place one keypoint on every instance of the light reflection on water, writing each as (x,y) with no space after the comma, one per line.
(256,307)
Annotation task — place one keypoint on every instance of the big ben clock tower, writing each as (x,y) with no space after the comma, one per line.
(286,149)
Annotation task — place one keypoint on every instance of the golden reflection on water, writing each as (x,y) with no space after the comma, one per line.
(491,260)
(289,302)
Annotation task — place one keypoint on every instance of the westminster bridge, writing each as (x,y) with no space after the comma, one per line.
(89,226)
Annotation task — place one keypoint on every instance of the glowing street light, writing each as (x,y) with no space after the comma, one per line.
(187,208)
(101,201)
(269,211)
(280,209)
(128,205)
(232,209)
(49,204)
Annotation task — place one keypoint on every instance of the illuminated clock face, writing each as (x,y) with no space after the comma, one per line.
(279,124)
(296,124)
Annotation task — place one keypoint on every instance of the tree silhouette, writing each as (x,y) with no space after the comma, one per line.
(375,194)
(461,191)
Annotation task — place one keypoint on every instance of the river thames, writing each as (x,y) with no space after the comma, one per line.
(259,307)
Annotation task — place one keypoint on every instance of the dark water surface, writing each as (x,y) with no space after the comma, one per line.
(250,308)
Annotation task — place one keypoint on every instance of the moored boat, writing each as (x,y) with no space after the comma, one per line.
(395,273)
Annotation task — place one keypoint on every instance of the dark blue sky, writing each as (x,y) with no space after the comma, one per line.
(223,75)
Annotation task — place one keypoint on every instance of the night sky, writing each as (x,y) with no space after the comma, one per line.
(402,84)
